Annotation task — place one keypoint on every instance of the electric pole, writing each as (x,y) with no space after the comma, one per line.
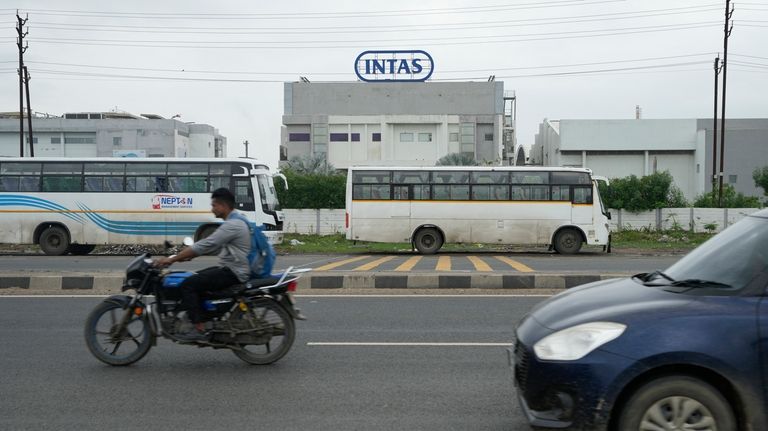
(22,48)
(726,33)
(246,147)
(29,114)
(714,132)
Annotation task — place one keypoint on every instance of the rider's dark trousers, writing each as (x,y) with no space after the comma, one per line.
(208,279)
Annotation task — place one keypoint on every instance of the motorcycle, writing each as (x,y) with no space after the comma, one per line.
(255,319)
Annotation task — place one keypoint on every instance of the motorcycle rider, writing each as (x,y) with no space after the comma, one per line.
(232,240)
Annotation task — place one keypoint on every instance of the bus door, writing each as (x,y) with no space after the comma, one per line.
(401,201)
(581,204)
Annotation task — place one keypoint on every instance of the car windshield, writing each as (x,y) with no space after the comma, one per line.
(732,259)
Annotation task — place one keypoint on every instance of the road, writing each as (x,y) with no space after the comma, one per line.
(50,381)
(443,262)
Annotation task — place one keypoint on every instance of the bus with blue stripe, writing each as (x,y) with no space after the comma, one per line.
(69,205)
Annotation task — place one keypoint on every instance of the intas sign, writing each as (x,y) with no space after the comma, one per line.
(404,66)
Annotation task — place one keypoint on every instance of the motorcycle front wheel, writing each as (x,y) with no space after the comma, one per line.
(116,335)
(273,335)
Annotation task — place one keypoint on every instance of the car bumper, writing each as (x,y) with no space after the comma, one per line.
(568,395)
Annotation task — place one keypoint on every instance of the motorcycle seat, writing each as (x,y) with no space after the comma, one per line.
(261,282)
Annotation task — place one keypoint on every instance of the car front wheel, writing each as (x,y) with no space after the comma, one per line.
(677,403)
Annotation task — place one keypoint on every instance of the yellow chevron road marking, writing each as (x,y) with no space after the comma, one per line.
(443,263)
(515,264)
(408,264)
(370,265)
(479,264)
(333,265)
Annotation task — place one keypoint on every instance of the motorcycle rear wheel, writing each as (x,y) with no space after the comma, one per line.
(112,345)
(280,331)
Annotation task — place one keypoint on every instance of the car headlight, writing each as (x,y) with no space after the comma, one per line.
(577,341)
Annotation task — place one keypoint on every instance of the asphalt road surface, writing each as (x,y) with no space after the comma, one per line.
(49,381)
(456,262)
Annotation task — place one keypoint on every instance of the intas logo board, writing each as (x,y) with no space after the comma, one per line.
(401,65)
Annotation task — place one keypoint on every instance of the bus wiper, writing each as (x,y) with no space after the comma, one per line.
(695,282)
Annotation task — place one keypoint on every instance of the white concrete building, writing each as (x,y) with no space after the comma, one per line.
(620,148)
(396,123)
(111,134)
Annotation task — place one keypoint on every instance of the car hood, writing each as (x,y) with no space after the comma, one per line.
(616,300)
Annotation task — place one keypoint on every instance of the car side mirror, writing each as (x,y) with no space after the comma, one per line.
(609,215)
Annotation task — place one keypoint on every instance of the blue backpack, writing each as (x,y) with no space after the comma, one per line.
(262,256)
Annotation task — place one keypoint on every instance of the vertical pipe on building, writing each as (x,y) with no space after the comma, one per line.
(645,165)
(583,158)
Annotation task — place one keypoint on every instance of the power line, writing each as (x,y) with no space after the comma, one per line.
(317,15)
(229,80)
(356,29)
(489,70)
(318,44)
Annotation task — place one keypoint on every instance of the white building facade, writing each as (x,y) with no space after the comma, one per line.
(110,134)
(620,148)
(394,123)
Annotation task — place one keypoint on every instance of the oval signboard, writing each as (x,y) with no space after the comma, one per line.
(403,65)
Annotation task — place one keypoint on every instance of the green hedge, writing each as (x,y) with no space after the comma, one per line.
(311,190)
(641,194)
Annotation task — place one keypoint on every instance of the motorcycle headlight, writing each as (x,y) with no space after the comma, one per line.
(577,341)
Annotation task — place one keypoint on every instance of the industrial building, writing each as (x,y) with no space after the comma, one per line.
(110,134)
(684,147)
(397,123)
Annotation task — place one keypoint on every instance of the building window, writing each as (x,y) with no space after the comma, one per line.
(376,137)
(355,137)
(489,136)
(732,179)
(78,140)
(339,137)
(55,140)
(406,137)
(425,137)
(117,140)
(34,139)
(298,137)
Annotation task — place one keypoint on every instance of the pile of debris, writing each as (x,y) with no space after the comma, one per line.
(134,250)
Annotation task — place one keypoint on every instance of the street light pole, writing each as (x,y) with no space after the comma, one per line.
(246,147)
(726,32)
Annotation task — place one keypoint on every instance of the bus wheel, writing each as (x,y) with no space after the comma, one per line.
(81,249)
(567,241)
(54,241)
(428,241)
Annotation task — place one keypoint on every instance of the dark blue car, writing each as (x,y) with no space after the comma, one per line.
(683,349)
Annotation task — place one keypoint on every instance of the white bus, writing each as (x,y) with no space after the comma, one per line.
(72,205)
(430,206)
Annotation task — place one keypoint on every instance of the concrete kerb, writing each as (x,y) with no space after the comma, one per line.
(112,282)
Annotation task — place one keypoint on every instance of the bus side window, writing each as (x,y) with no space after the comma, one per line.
(582,195)
(244,195)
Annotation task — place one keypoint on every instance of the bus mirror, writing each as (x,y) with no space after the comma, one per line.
(608,215)
(285,180)
(188,241)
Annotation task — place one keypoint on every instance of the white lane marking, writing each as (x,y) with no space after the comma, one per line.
(404,344)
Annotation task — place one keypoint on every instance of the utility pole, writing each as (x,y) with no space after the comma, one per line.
(714,131)
(246,147)
(29,114)
(726,32)
(22,48)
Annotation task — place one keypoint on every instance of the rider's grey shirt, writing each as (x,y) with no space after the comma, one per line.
(233,242)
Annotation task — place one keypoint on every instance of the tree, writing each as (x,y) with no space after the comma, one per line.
(731,199)
(639,194)
(760,175)
(317,164)
(456,159)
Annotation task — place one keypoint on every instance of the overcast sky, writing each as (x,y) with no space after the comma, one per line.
(223,63)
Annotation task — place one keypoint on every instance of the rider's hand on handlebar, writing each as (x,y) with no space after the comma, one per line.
(162,262)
